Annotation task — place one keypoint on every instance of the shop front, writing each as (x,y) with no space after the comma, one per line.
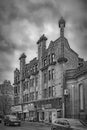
(17,110)
(48,110)
(31,109)
(25,112)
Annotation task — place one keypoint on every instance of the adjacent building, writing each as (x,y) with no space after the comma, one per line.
(53,84)
(6,97)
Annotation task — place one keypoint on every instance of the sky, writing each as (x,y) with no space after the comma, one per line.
(22,22)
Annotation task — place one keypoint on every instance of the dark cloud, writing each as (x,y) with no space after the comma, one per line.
(23,21)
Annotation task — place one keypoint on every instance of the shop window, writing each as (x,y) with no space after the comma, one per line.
(81,96)
(31,113)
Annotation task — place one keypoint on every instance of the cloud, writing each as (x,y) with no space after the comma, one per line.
(22,22)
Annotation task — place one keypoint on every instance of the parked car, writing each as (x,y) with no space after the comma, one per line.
(68,124)
(11,120)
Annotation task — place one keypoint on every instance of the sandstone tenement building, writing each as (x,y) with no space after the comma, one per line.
(53,84)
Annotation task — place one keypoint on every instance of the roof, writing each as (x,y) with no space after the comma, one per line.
(75,73)
(22,56)
(43,37)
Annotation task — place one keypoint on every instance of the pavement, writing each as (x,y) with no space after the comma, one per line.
(37,123)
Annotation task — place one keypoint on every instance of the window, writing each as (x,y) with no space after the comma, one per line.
(18,88)
(51,91)
(81,97)
(53,56)
(44,62)
(32,82)
(16,100)
(45,93)
(36,68)
(52,73)
(36,80)
(33,69)
(24,86)
(32,96)
(25,98)
(49,59)
(49,72)
(15,90)
(36,95)
(45,77)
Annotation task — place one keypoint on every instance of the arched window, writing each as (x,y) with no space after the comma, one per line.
(81,96)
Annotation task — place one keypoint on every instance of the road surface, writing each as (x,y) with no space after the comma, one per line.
(26,126)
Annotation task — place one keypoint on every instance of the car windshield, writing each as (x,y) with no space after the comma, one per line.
(76,123)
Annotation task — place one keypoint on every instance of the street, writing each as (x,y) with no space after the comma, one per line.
(26,126)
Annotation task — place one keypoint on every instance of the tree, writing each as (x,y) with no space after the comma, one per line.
(6,92)
(5,104)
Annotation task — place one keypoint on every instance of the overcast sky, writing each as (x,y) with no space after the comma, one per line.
(22,22)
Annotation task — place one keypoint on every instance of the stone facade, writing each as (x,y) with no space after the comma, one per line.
(56,75)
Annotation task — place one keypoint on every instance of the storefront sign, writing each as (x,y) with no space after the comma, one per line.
(25,108)
(30,106)
(50,103)
(16,108)
(46,106)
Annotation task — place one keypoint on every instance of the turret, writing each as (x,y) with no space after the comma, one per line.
(62,58)
(62,26)
(41,45)
(22,64)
